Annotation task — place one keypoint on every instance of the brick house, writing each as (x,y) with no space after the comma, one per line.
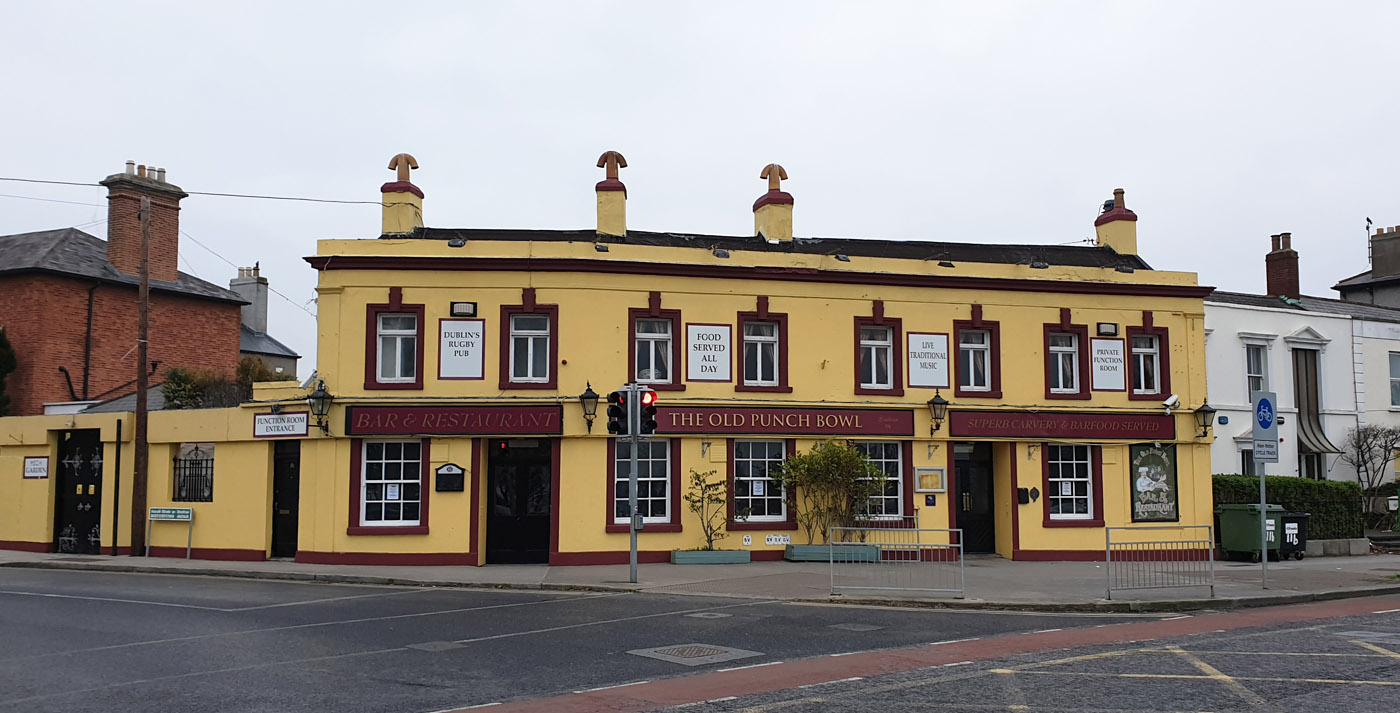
(68,302)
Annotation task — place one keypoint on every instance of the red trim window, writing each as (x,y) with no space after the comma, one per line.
(393,345)
(756,501)
(658,484)
(1149,361)
(1073,484)
(389,488)
(1066,359)
(895,499)
(763,351)
(978,343)
(655,348)
(879,359)
(529,345)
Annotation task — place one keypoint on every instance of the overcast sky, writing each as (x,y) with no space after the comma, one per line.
(970,122)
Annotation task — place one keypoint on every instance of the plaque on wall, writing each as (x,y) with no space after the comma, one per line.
(449,478)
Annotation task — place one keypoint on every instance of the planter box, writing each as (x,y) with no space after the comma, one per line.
(709,556)
(823,553)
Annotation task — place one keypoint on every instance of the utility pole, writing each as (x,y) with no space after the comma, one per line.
(141,455)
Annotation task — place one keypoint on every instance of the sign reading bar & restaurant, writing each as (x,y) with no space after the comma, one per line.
(785,421)
(1061,425)
(453,420)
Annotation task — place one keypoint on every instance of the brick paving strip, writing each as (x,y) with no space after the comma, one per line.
(780,676)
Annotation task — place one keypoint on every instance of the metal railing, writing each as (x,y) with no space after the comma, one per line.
(1140,558)
(906,559)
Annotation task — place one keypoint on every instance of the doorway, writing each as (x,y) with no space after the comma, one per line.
(286,494)
(975,515)
(520,478)
(78,512)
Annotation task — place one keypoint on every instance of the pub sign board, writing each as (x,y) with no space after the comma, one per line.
(280,425)
(454,420)
(784,421)
(1062,425)
(1153,472)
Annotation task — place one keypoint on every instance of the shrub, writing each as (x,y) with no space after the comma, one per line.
(1335,506)
(834,482)
(186,388)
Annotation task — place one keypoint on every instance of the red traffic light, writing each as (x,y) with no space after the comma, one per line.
(648,398)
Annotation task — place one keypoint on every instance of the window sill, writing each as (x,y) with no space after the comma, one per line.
(386,530)
(393,385)
(1072,523)
(1069,396)
(1154,396)
(751,526)
(869,391)
(513,385)
(977,394)
(647,527)
(764,389)
(663,387)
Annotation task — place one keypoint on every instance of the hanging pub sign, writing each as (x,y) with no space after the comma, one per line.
(1153,472)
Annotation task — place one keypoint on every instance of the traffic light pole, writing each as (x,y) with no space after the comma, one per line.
(634,424)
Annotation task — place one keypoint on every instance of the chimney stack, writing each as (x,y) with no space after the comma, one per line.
(124,193)
(772,212)
(252,287)
(1385,252)
(612,196)
(403,201)
(1281,267)
(1116,227)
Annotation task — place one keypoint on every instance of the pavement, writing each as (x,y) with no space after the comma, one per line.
(990,582)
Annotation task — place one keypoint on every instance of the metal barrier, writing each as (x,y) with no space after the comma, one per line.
(906,559)
(1141,563)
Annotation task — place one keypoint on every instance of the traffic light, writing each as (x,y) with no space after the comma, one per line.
(647,425)
(617,413)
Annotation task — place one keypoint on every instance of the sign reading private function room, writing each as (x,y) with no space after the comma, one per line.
(461,344)
(1109,372)
(928,360)
(280,425)
(707,352)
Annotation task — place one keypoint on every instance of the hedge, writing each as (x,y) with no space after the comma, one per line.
(1335,506)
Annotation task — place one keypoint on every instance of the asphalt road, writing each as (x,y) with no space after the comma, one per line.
(97,641)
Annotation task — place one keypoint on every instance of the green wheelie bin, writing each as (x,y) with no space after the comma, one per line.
(1239,531)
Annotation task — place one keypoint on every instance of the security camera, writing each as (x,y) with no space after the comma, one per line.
(1170,403)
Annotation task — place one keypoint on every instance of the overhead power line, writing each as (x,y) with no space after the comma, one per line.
(202,193)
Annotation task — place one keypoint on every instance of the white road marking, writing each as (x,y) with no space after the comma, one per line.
(757,665)
(618,685)
(1046,631)
(953,641)
(605,621)
(110,599)
(1386,611)
(828,683)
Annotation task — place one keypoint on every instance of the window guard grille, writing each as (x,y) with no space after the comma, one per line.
(194,476)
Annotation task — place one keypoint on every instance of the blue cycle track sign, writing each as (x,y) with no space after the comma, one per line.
(1265,427)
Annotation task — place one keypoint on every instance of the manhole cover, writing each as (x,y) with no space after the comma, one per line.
(76,559)
(436,646)
(708,615)
(694,654)
(857,627)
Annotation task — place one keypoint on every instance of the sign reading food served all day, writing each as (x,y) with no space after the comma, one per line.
(461,344)
(928,360)
(707,353)
(1061,425)
(453,420)
(1109,365)
(280,425)
(786,421)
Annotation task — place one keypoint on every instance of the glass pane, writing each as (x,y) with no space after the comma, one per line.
(374,491)
(741,449)
(411,491)
(393,511)
(972,337)
(882,366)
(410,511)
(393,451)
(867,375)
(750,362)
(874,334)
(768,367)
(1394,365)
(658,489)
(1395,392)
(374,512)
(388,363)
(374,451)
(1144,343)
(760,329)
(531,323)
(393,471)
(653,326)
(540,358)
(520,357)
(408,359)
(1149,374)
(398,322)
(374,471)
(660,362)
(1062,340)
(412,450)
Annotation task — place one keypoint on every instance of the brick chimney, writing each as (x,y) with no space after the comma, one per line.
(612,196)
(1116,226)
(772,212)
(403,201)
(124,194)
(1385,252)
(1281,267)
(252,287)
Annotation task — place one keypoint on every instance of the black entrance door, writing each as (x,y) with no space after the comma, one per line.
(974,497)
(517,525)
(78,515)
(286,484)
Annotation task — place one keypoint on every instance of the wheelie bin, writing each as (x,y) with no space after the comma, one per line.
(1294,542)
(1239,531)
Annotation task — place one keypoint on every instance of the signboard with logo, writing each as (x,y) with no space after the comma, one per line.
(36,466)
(784,421)
(1152,469)
(928,361)
(1108,372)
(707,352)
(1265,427)
(453,420)
(280,425)
(461,343)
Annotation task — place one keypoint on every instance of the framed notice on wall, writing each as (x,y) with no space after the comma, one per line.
(1152,470)
(930,480)
(928,360)
(1109,372)
(707,352)
(461,344)
(36,466)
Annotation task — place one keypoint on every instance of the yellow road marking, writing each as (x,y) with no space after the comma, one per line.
(1189,677)
(1377,649)
(1250,697)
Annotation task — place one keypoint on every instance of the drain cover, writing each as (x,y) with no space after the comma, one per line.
(694,654)
(857,627)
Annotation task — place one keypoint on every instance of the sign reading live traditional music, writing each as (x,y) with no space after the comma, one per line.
(928,360)
(786,421)
(1061,425)
(453,420)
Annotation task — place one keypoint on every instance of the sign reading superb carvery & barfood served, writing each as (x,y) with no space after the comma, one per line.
(785,421)
(1061,425)
(453,420)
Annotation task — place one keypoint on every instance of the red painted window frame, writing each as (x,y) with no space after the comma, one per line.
(675,524)
(508,311)
(357,456)
(1082,332)
(372,312)
(790,448)
(897,355)
(906,477)
(993,330)
(779,318)
(1095,487)
(1164,373)
(677,345)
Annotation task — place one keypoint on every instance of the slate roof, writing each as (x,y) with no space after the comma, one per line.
(155,401)
(1321,305)
(253,342)
(71,252)
(1059,255)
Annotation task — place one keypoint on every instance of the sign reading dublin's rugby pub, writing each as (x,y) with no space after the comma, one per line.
(1153,472)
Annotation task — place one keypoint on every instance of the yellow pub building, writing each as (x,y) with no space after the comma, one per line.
(1028,395)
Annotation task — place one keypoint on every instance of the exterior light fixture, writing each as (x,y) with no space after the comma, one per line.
(320,403)
(456,243)
(1205,418)
(589,401)
(600,247)
(842,258)
(946,263)
(938,410)
(721,252)
(1039,265)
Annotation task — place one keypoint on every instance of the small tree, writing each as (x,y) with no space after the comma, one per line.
(833,482)
(186,388)
(1370,449)
(8,364)
(706,499)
